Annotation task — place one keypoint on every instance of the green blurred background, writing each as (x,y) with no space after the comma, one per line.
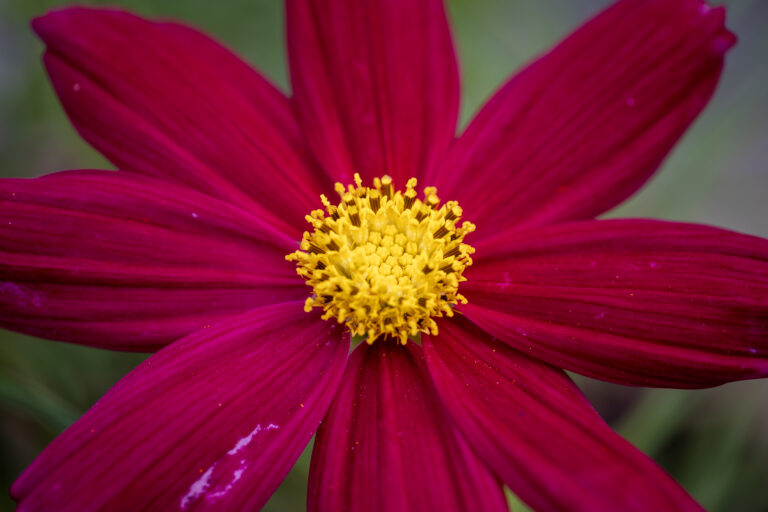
(715,442)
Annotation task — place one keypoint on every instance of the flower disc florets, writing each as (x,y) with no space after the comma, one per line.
(385,262)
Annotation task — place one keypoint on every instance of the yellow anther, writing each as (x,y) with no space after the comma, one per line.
(384,262)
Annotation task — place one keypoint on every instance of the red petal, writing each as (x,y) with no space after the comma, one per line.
(638,302)
(534,428)
(212,422)
(387,445)
(163,100)
(375,83)
(583,127)
(124,261)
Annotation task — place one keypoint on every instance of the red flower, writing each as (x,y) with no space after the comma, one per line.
(184,250)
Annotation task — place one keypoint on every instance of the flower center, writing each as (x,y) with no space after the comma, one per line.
(385,262)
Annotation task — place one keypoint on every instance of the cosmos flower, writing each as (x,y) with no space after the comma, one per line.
(470,308)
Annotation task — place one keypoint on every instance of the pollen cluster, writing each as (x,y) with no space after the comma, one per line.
(385,262)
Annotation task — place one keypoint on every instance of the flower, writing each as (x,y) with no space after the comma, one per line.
(184,251)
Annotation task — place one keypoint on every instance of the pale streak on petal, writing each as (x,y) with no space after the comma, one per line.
(200,488)
(236,474)
(245,441)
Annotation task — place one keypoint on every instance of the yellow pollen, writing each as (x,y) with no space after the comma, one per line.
(385,262)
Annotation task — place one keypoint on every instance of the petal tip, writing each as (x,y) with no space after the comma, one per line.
(53,20)
(724,42)
(66,19)
(41,24)
(724,39)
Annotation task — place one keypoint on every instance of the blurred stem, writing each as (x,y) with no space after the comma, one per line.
(50,410)
(656,417)
(515,504)
(714,462)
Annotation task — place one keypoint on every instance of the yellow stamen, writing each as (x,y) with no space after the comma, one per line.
(384,262)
